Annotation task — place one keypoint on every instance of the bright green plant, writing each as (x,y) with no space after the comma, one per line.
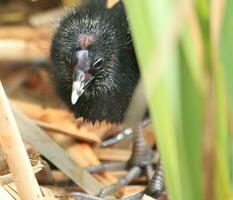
(184,50)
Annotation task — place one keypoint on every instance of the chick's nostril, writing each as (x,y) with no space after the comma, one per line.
(83,61)
(82,55)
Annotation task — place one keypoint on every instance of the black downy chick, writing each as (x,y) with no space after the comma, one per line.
(95,72)
(94,66)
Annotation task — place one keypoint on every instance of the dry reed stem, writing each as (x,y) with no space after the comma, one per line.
(16,154)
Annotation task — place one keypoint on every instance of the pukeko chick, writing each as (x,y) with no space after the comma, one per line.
(95,71)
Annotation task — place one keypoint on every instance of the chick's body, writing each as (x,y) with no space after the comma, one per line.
(98,33)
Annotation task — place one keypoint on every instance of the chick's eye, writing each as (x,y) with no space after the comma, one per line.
(98,63)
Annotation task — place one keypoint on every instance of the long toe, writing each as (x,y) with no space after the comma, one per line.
(83,196)
(133,173)
(113,166)
(137,196)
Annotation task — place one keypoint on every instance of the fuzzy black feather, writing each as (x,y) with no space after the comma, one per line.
(110,92)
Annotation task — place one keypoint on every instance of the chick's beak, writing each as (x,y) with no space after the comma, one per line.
(80,83)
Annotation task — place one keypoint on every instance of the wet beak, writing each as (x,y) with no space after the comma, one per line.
(80,83)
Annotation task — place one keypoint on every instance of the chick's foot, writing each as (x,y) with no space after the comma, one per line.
(140,163)
(155,187)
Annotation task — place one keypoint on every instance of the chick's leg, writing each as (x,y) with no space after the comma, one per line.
(138,159)
(140,149)
(142,154)
(139,163)
(155,188)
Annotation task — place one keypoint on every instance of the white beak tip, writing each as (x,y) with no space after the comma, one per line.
(74,97)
